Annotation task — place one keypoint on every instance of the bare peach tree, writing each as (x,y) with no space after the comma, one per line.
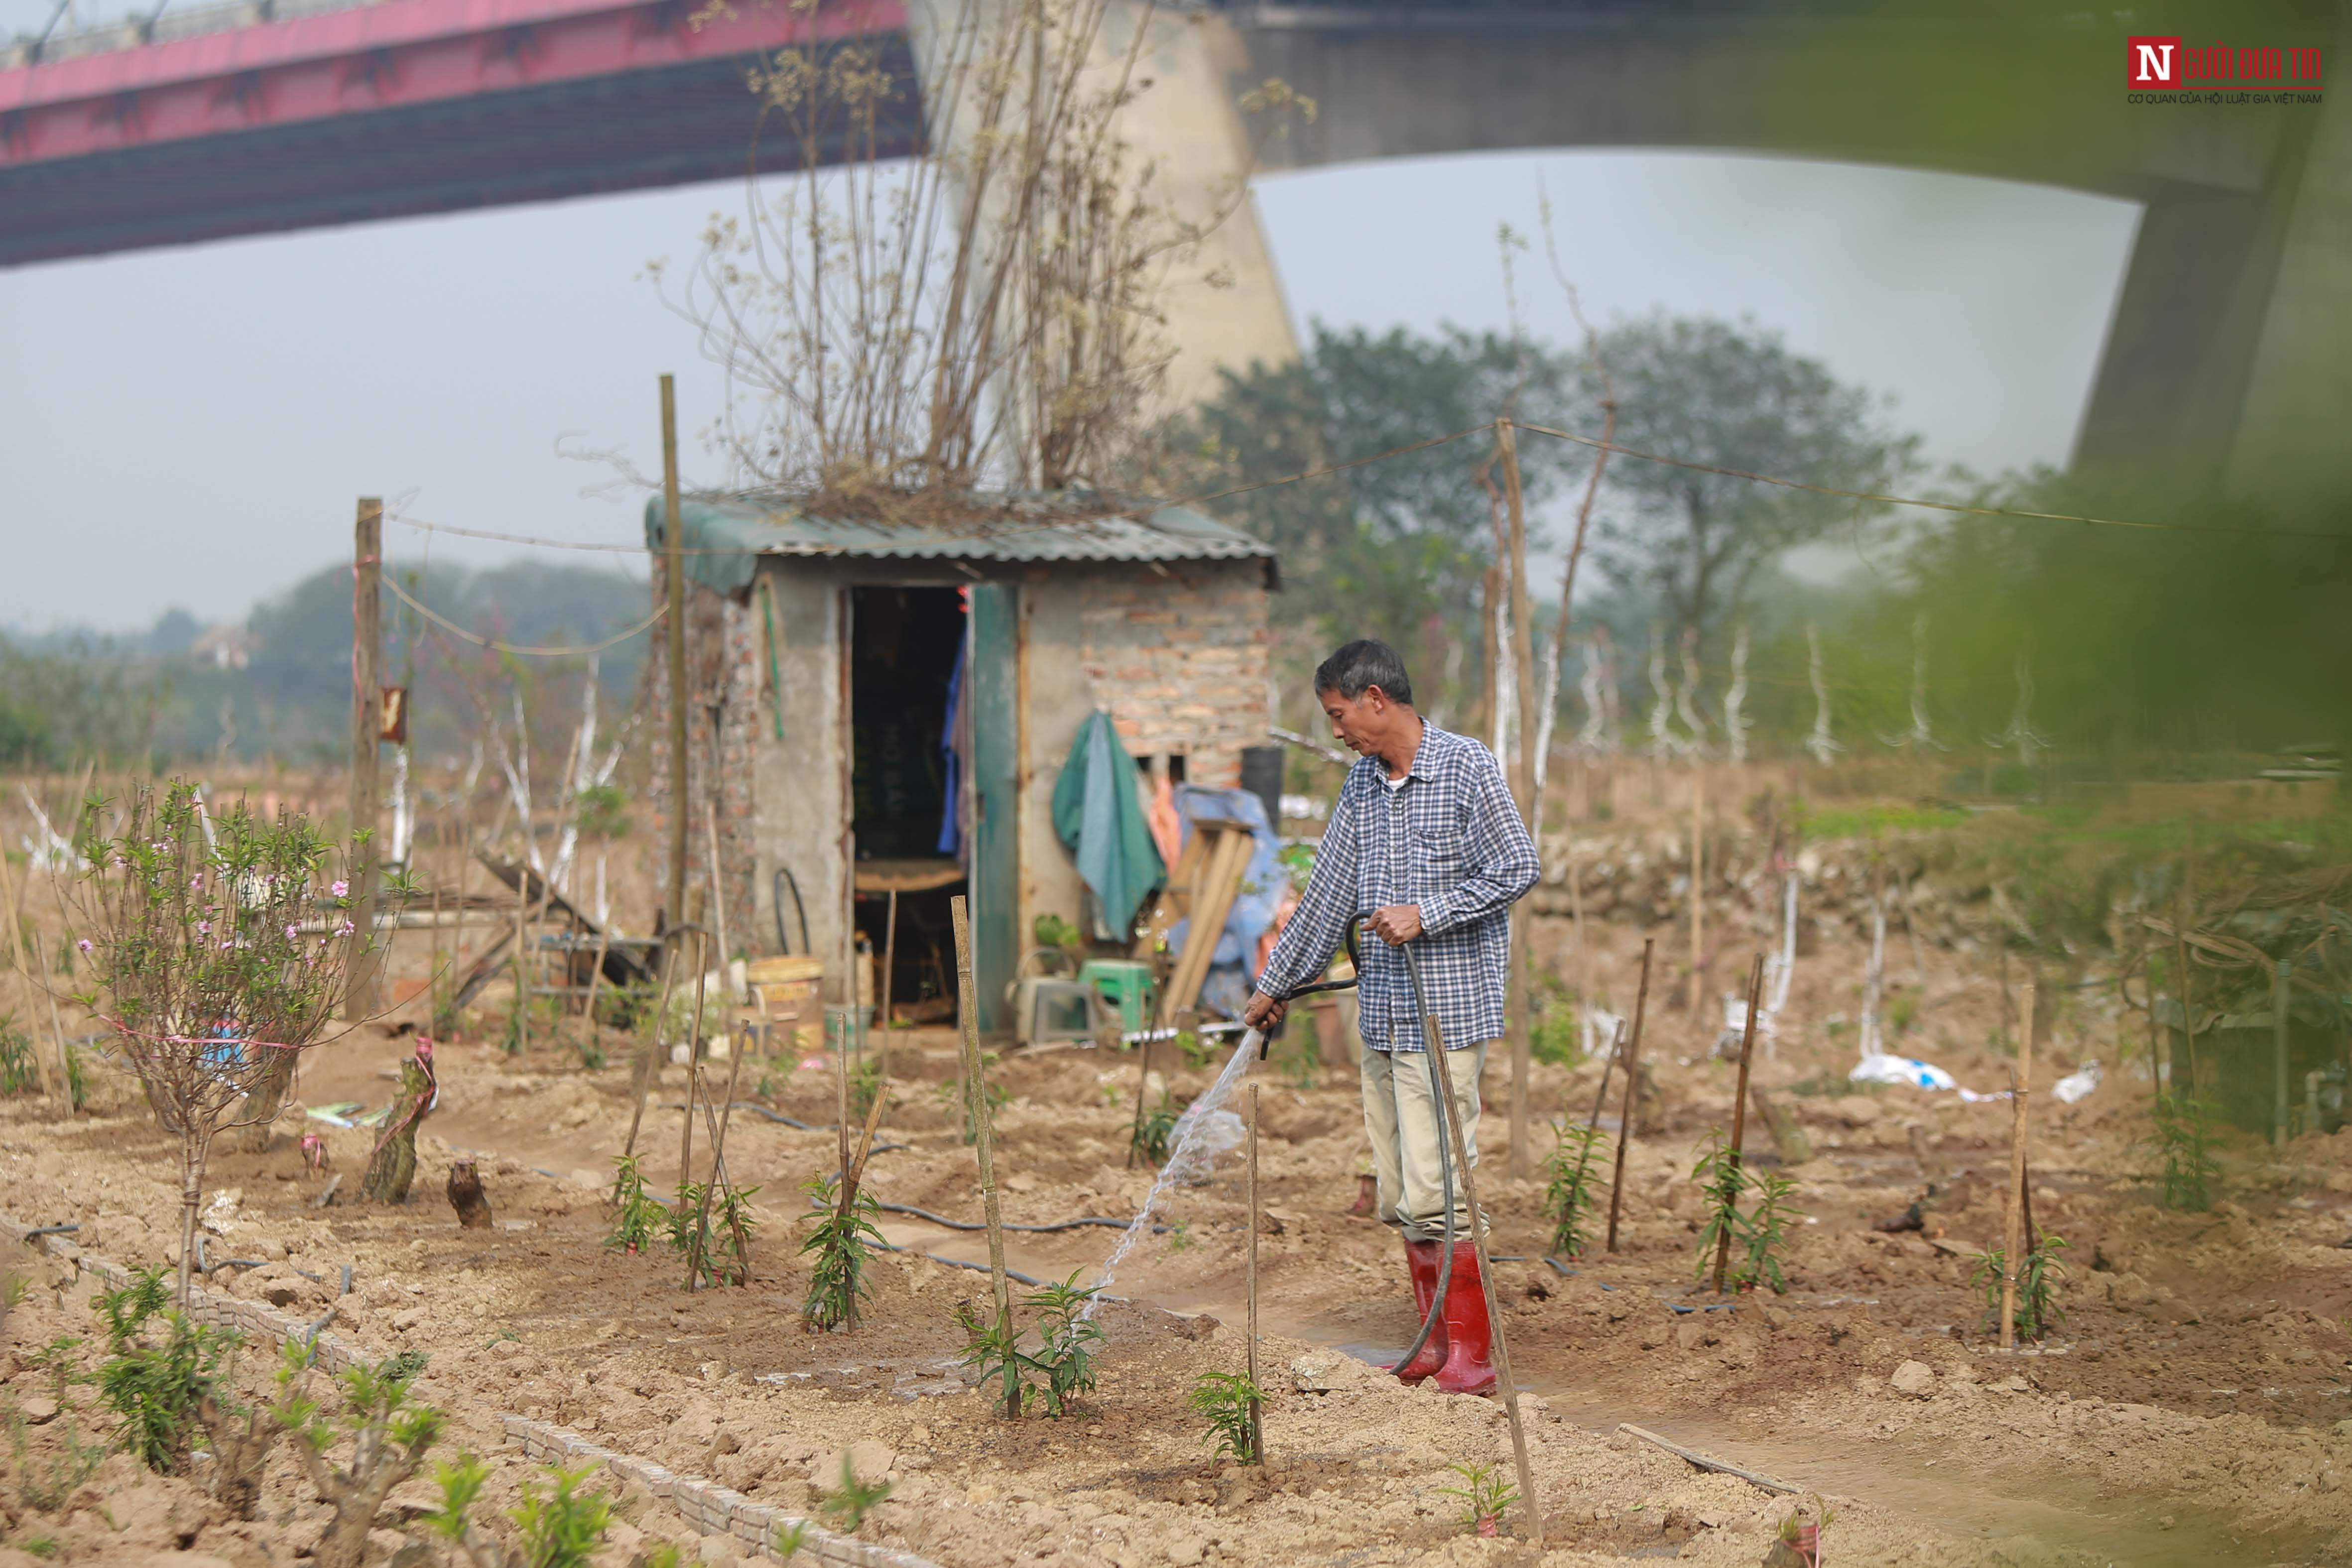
(961,286)
(218,945)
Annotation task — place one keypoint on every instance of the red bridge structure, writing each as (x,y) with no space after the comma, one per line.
(255,120)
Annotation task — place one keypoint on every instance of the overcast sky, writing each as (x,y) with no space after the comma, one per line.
(191,426)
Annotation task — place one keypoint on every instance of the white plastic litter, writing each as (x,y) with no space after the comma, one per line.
(2077,1085)
(1600,1028)
(1877,1067)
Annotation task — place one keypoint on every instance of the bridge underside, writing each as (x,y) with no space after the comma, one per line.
(2229,358)
(669,126)
(2229,362)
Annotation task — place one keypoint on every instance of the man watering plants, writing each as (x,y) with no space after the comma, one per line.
(1426,847)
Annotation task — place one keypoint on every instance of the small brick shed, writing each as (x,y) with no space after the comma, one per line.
(908,694)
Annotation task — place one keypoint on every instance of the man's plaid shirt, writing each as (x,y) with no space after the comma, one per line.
(1449,840)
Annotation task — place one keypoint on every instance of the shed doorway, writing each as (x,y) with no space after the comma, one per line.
(907,780)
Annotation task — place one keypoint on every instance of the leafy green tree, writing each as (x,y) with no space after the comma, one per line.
(1396,548)
(1732,396)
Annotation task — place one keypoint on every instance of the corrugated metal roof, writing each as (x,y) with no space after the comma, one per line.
(723,535)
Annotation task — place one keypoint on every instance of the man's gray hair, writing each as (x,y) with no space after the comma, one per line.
(1362,665)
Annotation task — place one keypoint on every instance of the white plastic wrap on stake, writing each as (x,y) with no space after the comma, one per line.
(1821,743)
(1735,723)
(1686,695)
(1921,737)
(1662,740)
(1594,737)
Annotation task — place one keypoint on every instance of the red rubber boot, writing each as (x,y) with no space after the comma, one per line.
(1469,1337)
(1420,1261)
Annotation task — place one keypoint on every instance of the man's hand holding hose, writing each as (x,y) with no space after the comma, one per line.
(1394,924)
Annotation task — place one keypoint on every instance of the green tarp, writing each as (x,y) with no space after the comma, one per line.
(1097,814)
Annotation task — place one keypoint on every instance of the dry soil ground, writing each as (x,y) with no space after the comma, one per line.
(2184,1412)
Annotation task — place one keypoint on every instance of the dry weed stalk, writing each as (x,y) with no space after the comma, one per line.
(984,312)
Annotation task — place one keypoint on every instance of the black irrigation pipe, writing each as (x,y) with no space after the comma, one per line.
(976,1267)
(1008,1225)
(33,1236)
(321,1279)
(759,1110)
(209,1270)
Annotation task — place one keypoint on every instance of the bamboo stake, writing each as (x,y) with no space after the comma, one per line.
(56,1026)
(1142,1084)
(674,595)
(522,915)
(1257,1430)
(718,886)
(646,1062)
(1739,1105)
(976,1095)
(2180,957)
(694,1055)
(1633,1079)
(1609,1065)
(1698,883)
(2008,1262)
(25,981)
(890,966)
(717,1175)
(1434,1036)
(1523,770)
(595,978)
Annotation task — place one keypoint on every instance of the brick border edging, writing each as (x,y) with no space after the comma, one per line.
(711,1509)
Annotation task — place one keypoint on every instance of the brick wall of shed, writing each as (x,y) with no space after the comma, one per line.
(1178,658)
(722,668)
(1181,662)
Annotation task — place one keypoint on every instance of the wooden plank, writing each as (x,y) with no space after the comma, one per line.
(622,966)
(1218,888)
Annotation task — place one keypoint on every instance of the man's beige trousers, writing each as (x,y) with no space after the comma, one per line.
(1403,1118)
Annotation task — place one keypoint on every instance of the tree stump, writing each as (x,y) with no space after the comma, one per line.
(392,1168)
(465,1196)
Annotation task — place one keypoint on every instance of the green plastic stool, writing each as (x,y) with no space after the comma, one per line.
(1125,985)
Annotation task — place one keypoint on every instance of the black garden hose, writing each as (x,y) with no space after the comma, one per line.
(1433,1048)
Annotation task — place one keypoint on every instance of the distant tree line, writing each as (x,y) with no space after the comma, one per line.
(68,697)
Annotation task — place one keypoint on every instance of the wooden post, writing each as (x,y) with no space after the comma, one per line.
(2010,1260)
(1522,765)
(1257,1430)
(1698,885)
(1433,1036)
(1633,1082)
(2282,998)
(674,586)
(976,1093)
(367,726)
(1740,1103)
